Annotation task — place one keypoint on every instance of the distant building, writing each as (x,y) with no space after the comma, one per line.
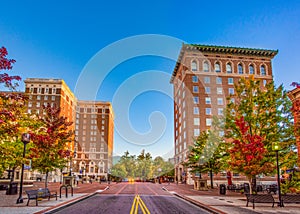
(92,123)
(202,79)
(94,137)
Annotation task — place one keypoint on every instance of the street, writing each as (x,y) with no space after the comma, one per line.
(133,198)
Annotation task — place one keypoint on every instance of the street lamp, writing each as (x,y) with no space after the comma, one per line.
(276,148)
(25,140)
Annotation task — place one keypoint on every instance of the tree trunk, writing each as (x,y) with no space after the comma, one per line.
(46,180)
(253,184)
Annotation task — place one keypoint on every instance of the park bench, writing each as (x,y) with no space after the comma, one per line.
(295,198)
(259,198)
(39,195)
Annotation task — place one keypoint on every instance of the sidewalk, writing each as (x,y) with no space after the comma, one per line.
(8,202)
(232,202)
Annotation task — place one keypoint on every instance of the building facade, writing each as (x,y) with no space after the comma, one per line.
(92,124)
(93,138)
(202,79)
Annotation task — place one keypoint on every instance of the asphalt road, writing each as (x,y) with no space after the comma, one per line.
(133,198)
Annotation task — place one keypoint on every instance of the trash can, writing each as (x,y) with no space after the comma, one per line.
(222,189)
(12,188)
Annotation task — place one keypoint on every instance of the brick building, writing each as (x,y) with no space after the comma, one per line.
(94,138)
(92,123)
(202,79)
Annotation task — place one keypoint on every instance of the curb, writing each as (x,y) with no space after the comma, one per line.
(69,203)
(197,203)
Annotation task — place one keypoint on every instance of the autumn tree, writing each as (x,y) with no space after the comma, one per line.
(51,150)
(13,120)
(255,117)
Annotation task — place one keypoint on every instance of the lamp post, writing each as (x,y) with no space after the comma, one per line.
(276,148)
(25,140)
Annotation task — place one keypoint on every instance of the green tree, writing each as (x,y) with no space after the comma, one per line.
(257,117)
(144,164)
(50,150)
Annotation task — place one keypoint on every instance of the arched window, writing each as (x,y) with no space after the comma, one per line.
(228,68)
(240,69)
(194,66)
(251,69)
(205,66)
(217,67)
(263,70)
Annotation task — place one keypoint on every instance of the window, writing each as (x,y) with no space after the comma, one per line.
(262,70)
(231,91)
(208,121)
(196,121)
(264,82)
(195,89)
(207,90)
(206,79)
(29,104)
(46,97)
(53,90)
(196,132)
(38,97)
(219,90)
(52,98)
(230,81)
(31,90)
(194,66)
(38,105)
(217,67)
(207,100)
(196,110)
(219,80)
(196,100)
(208,111)
(46,90)
(39,90)
(251,69)
(205,66)
(195,79)
(240,69)
(220,111)
(220,101)
(228,68)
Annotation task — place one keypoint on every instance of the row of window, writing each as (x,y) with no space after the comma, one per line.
(44,90)
(38,104)
(46,97)
(208,90)
(219,80)
(229,68)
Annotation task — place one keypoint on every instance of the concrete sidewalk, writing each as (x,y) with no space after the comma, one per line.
(8,202)
(232,202)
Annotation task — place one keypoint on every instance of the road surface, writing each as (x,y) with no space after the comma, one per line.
(133,198)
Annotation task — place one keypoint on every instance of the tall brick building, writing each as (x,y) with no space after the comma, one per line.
(94,137)
(202,79)
(92,123)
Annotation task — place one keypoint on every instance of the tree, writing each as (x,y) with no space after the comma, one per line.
(144,163)
(51,149)
(206,154)
(258,116)
(13,120)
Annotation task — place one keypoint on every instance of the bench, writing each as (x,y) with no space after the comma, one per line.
(39,194)
(290,199)
(259,198)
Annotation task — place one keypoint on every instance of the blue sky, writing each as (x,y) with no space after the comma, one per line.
(57,39)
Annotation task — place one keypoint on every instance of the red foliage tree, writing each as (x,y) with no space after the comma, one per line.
(247,153)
